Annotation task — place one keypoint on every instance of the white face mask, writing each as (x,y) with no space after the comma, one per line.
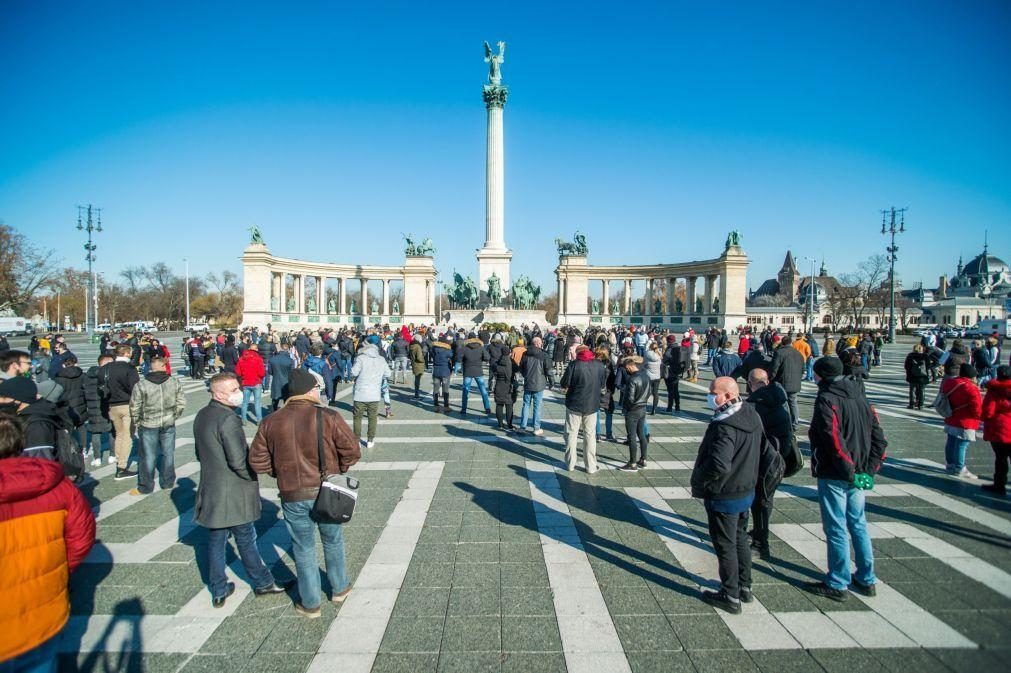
(235,399)
(711,401)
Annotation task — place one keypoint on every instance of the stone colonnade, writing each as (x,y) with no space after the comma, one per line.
(584,292)
(293,292)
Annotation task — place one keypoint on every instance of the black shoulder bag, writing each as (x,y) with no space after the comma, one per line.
(338,493)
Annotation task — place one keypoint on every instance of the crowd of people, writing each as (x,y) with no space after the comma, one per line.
(128,399)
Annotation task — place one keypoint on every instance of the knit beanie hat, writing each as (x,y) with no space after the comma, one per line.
(967,371)
(19,388)
(828,366)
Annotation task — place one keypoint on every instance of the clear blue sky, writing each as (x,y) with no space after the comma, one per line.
(654,128)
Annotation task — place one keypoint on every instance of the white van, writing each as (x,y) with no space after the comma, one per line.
(985,328)
(14,326)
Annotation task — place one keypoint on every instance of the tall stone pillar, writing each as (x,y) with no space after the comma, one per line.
(386,297)
(494,257)
(690,295)
(342,296)
(605,305)
(707,303)
(627,308)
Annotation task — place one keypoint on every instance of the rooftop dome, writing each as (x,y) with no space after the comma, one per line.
(994,265)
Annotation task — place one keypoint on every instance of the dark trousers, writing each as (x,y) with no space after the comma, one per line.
(729,535)
(245,542)
(440,383)
(504,412)
(635,428)
(761,512)
(916,394)
(673,394)
(1002,455)
(791,398)
(198,368)
(654,390)
(417,385)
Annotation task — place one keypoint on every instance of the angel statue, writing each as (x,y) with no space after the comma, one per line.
(495,61)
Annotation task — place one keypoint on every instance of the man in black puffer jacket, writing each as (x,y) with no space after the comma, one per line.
(787,369)
(71,379)
(118,379)
(98,425)
(769,400)
(847,449)
(725,476)
(473,355)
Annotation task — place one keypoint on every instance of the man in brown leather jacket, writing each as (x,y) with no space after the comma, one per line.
(285,448)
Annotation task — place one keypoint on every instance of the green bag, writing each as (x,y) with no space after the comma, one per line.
(863,481)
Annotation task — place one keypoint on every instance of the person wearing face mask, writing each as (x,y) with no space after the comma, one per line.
(725,475)
(228,497)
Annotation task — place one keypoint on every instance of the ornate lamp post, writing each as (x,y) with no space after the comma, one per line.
(91,224)
(888,227)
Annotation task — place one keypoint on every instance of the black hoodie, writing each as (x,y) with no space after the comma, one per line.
(845,435)
(473,356)
(727,464)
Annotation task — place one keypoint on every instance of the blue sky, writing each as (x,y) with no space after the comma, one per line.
(654,128)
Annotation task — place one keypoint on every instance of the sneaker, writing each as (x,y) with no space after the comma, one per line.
(137,491)
(125,474)
(995,489)
(718,599)
(308,613)
(824,590)
(339,598)
(868,590)
(966,474)
(593,471)
(389,412)
(746,595)
(274,588)
(628,467)
(370,444)
(97,462)
(111,459)
(538,432)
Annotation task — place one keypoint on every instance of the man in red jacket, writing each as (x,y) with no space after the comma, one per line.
(47,529)
(250,372)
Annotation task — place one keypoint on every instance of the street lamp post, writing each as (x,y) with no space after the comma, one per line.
(888,227)
(90,225)
(187,261)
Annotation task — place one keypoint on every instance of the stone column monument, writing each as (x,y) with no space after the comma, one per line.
(494,257)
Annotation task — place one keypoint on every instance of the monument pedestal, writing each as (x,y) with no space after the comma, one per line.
(489,261)
(512,317)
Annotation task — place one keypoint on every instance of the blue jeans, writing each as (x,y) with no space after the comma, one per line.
(809,376)
(534,400)
(98,442)
(265,383)
(954,453)
(245,542)
(302,531)
(608,422)
(255,393)
(842,516)
(710,354)
(156,443)
(482,388)
(39,659)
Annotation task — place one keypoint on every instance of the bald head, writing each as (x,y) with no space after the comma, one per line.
(757,378)
(725,389)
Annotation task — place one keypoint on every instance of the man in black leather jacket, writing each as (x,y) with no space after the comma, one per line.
(634,401)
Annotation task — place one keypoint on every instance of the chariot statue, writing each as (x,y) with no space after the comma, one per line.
(254,235)
(733,239)
(463,293)
(524,293)
(577,248)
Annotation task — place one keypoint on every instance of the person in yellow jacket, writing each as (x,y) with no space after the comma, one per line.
(801,345)
(46,529)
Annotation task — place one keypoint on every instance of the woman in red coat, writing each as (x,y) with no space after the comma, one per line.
(967,412)
(997,427)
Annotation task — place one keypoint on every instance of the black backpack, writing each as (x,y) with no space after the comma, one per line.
(771,468)
(68,453)
(920,368)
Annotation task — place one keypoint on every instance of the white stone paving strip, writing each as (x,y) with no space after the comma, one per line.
(120,502)
(917,625)
(589,639)
(366,612)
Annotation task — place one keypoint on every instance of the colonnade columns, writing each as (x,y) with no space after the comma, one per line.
(690,294)
(363,284)
(707,303)
(341,295)
(627,308)
(648,308)
(670,301)
(605,306)
(386,297)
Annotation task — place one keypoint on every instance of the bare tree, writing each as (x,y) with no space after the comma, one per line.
(24,269)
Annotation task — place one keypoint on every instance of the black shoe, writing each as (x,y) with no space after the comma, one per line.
(746,595)
(219,601)
(274,588)
(994,489)
(641,464)
(762,549)
(824,590)
(125,474)
(628,467)
(718,599)
(868,590)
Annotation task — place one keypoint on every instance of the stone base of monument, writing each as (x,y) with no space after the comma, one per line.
(509,316)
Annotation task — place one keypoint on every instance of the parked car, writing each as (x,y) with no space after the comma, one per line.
(198,327)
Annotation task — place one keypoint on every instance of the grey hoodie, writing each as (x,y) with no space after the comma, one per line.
(369,370)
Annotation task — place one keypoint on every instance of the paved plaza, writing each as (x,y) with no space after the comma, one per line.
(473,550)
